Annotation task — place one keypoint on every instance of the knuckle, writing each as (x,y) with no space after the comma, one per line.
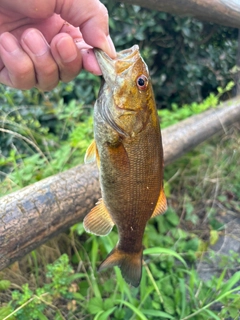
(66,76)
(49,70)
(23,78)
(103,9)
(47,87)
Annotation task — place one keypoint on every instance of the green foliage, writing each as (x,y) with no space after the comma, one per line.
(44,133)
(170,288)
(36,151)
(188,59)
(175,113)
(41,303)
(39,141)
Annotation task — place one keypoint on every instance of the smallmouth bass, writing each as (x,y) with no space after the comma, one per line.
(128,149)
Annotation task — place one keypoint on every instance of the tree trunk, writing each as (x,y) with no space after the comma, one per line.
(224,12)
(33,215)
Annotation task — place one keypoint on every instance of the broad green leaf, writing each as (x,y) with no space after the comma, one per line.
(95,305)
(212,314)
(133,308)
(156,313)
(231,282)
(105,315)
(170,252)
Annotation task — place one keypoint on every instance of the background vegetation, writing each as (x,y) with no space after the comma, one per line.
(192,65)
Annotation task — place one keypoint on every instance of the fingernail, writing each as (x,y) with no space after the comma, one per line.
(9,43)
(111,47)
(36,43)
(108,47)
(67,49)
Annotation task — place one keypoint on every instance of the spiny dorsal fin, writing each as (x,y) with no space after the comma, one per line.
(161,205)
(92,154)
(98,221)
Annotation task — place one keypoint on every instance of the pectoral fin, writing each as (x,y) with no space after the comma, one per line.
(98,221)
(161,205)
(92,154)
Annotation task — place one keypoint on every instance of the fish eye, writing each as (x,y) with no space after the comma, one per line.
(142,82)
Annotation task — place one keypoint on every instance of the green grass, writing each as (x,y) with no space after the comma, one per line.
(59,280)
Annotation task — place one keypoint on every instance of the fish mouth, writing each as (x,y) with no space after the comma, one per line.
(128,54)
(113,67)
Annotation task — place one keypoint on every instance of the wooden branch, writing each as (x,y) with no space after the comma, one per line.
(35,214)
(187,134)
(224,12)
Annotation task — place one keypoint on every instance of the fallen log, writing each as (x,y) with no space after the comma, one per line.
(35,214)
(224,12)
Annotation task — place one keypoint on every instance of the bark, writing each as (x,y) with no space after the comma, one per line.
(187,134)
(224,12)
(35,214)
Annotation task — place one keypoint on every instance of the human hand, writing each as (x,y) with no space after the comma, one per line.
(42,42)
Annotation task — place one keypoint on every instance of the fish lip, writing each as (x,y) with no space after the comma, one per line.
(108,65)
(128,54)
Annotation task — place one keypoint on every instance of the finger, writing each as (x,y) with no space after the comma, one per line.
(88,58)
(67,56)
(18,70)
(46,69)
(91,16)
(90,63)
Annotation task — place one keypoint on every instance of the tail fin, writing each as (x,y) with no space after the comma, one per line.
(129,263)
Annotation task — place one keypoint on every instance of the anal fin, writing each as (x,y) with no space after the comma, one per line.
(161,205)
(98,221)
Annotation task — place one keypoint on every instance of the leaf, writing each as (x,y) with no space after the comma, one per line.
(4,285)
(41,316)
(220,280)
(108,304)
(133,308)
(214,236)
(212,314)
(6,311)
(168,305)
(172,217)
(182,286)
(156,313)
(230,283)
(95,305)
(106,314)
(170,252)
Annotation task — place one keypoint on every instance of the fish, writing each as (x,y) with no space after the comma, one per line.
(128,150)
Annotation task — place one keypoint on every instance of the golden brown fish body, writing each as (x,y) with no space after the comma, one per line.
(128,149)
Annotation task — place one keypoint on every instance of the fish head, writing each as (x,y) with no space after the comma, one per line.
(128,82)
